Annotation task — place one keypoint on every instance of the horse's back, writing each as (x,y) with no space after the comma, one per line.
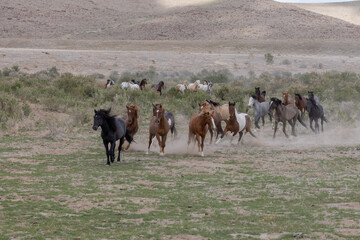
(120,127)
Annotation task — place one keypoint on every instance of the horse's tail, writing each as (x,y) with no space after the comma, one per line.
(301,121)
(128,137)
(175,132)
(324,118)
(248,125)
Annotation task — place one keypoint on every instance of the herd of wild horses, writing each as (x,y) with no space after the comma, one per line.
(209,119)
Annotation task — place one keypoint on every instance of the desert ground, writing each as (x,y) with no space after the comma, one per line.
(54,182)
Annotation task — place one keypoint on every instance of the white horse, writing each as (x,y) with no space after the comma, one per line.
(125,85)
(132,86)
(206,87)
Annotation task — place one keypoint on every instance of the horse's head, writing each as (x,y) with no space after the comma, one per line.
(99,117)
(132,112)
(158,112)
(186,83)
(204,107)
(285,95)
(252,99)
(209,119)
(232,110)
(206,82)
(274,103)
(310,94)
(197,82)
(298,97)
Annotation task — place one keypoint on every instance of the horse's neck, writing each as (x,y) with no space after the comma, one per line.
(105,127)
(162,122)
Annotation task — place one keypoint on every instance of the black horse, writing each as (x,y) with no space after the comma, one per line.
(316,111)
(112,129)
(171,120)
(159,86)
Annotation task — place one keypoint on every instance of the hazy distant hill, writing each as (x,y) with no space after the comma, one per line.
(153,20)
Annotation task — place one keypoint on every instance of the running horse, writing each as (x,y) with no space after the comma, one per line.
(286,98)
(316,112)
(222,109)
(301,103)
(159,86)
(112,129)
(238,123)
(159,128)
(132,125)
(198,127)
(216,117)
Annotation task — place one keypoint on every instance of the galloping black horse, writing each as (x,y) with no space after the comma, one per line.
(112,129)
(316,111)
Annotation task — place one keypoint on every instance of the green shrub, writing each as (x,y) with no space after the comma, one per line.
(269,58)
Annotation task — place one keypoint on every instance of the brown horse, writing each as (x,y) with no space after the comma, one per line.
(260,96)
(142,84)
(198,126)
(205,107)
(159,86)
(301,102)
(285,113)
(237,123)
(222,109)
(286,98)
(132,121)
(159,127)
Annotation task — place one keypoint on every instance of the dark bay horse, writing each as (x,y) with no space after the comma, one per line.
(301,104)
(285,113)
(112,129)
(216,117)
(261,96)
(316,111)
(198,127)
(159,127)
(142,84)
(159,86)
(132,125)
(238,123)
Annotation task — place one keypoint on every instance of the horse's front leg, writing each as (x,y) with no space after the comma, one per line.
(263,120)
(202,145)
(223,134)
(150,141)
(112,151)
(199,142)
(317,129)
(163,142)
(292,123)
(311,126)
(106,145)
(257,119)
(270,116)
(275,128)
(159,141)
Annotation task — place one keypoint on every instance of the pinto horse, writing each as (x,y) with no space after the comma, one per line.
(205,107)
(182,87)
(112,129)
(261,96)
(159,86)
(159,127)
(132,121)
(285,113)
(198,127)
(237,123)
(301,103)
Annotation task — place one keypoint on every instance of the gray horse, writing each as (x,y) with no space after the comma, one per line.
(260,110)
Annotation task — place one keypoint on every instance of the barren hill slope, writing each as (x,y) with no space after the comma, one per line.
(157,20)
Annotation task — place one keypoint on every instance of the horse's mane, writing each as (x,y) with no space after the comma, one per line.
(109,118)
(263,92)
(297,94)
(213,103)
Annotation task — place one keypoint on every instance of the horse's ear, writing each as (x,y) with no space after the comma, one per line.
(127,107)
(153,105)
(108,111)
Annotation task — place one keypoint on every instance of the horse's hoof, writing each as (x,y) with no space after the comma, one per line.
(147,152)
(202,154)
(162,154)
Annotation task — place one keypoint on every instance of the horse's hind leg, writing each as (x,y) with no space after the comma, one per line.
(120,146)
(240,136)
(275,128)
(322,124)
(112,151)
(292,124)
(202,145)
(263,120)
(317,129)
(311,126)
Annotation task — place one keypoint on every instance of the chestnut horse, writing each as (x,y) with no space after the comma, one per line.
(159,127)
(142,84)
(205,107)
(132,121)
(222,109)
(198,126)
(286,98)
(237,123)
(301,102)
